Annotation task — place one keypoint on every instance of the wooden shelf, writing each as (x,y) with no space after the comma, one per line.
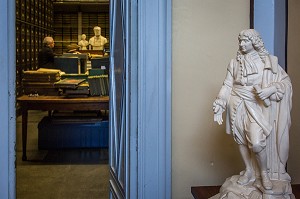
(66,26)
(34,19)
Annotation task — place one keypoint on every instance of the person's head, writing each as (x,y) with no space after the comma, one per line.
(254,42)
(83,36)
(48,41)
(253,37)
(97,30)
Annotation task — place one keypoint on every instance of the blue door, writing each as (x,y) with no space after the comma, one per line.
(117,116)
(140,99)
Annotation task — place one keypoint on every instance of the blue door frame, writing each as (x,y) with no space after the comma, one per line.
(140,99)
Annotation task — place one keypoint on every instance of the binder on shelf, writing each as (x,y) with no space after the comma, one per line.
(68,83)
(98,85)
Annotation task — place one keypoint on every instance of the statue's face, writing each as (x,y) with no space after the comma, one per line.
(83,37)
(97,31)
(245,45)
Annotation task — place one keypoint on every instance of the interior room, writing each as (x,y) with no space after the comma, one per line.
(174,55)
(66,143)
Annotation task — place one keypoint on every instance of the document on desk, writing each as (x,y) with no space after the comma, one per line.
(68,83)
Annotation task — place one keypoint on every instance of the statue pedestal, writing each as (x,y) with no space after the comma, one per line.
(232,190)
(204,192)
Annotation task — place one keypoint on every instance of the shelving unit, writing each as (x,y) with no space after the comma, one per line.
(66,31)
(70,21)
(34,19)
(90,20)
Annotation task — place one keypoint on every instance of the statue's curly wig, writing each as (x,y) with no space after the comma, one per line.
(256,41)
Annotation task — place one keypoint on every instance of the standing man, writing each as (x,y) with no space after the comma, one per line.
(97,42)
(46,55)
(257,94)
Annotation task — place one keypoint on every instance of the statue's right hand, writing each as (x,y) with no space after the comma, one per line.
(218,106)
(218,110)
(218,118)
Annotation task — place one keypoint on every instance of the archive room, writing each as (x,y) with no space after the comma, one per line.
(62,90)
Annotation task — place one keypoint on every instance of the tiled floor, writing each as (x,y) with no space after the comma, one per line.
(60,174)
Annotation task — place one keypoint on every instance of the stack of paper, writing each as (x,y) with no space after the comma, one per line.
(41,81)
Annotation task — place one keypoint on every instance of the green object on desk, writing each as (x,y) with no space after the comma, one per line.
(74,76)
(96,71)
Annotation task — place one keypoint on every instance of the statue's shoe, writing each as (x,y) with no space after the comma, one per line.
(266,182)
(246,177)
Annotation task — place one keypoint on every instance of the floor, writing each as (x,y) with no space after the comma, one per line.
(59,174)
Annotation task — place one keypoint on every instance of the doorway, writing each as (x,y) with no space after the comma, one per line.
(72,173)
(141,91)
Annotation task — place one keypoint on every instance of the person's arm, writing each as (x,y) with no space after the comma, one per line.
(219,105)
(276,90)
(50,55)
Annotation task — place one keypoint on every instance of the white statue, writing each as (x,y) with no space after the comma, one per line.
(83,43)
(97,42)
(257,94)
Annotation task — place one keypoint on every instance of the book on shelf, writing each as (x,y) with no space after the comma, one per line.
(81,91)
(41,75)
(38,84)
(99,85)
(68,83)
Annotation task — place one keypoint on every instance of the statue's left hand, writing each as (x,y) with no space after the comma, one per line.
(266,92)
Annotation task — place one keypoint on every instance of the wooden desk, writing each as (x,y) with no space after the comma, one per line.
(50,103)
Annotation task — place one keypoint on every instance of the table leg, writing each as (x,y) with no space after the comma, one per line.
(24,133)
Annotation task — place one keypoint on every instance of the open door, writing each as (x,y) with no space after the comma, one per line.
(117,109)
(140,99)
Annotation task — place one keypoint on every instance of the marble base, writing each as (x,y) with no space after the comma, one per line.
(232,190)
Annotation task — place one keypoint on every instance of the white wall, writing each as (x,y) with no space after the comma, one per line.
(293,68)
(204,40)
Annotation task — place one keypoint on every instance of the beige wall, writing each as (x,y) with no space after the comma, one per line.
(293,68)
(204,40)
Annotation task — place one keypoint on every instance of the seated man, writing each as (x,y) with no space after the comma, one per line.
(46,55)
